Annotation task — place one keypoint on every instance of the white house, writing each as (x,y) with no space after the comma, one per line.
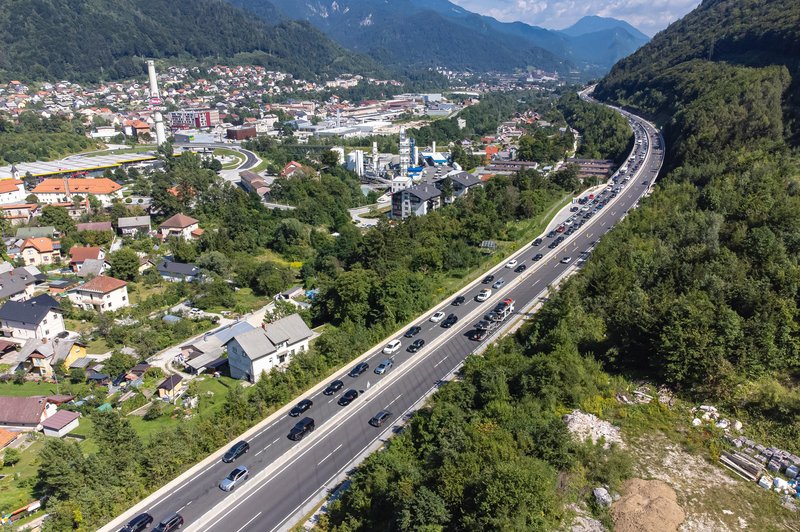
(59,190)
(181,226)
(12,191)
(102,294)
(261,350)
(60,424)
(39,318)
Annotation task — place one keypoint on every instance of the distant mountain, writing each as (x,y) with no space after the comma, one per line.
(439,32)
(91,40)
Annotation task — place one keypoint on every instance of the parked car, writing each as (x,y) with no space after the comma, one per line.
(457,302)
(488,279)
(138,523)
(347,397)
(237,450)
(521,268)
(301,407)
(384,366)
(392,347)
(378,419)
(302,428)
(499,283)
(358,369)
(171,523)
(537,257)
(483,295)
(450,321)
(413,331)
(510,264)
(416,345)
(236,477)
(333,387)
(436,318)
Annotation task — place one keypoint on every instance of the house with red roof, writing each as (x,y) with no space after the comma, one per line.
(40,251)
(181,226)
(80,254)
(101,294)
(290,168)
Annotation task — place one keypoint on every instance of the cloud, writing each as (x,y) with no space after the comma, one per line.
(649,16)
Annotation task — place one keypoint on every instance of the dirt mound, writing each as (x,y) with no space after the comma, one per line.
(648,505)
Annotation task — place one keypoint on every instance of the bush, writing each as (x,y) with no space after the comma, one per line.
(11,457)
(155,412)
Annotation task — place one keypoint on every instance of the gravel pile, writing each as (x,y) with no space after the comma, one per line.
(586,426)
(647,505)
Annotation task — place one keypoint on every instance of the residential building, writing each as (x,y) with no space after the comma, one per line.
(181,226)
(61,423)
(260,350)
(93,268)
(101,294)
(252,182)
(57,190)
(177,271)
(134,225)
(25,412)
(42,357)
(79,254)
(193,118)
(171,388)
(290,168)
(421,199)
(19,213)
(39,317)
(17,284)
(12,191)
(40,251)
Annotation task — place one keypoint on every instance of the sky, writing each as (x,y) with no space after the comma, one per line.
(649,16)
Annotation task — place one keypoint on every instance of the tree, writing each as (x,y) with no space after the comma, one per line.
(117,364)
(59,218)
(182,250)
(214,262)
(124,264)
(329,158)
(11,457)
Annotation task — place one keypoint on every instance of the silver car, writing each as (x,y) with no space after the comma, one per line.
(236,477)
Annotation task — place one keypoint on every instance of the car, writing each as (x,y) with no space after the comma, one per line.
(378,419)
(333,387)
(413,331)
(347,397)
(551,234)
(483,295)
(138,523)
(488,279)
(560,229)
(457,302)
(450,321)
(537,242)
(499,283)
(436,318)
(236,477)
(573,209)
(478,335)
(238,449)
(302,428)
(510,264)
(392,347)
(416,345)
(566,260)
(301,407)
(521,268)
(384,366)
(173,522)
(537,257)
(358,369)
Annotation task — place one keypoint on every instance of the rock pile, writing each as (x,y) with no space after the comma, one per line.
(586,426)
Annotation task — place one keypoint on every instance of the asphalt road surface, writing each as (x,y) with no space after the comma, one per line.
(286,475)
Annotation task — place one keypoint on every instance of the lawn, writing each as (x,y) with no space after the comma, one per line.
(238,158)
(16,488)
(28,389)
(138,292)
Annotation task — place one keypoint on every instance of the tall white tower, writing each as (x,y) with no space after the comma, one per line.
(375,157)
(405,153)
(155,103)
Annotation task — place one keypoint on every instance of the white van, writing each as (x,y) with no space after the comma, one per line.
(392,347)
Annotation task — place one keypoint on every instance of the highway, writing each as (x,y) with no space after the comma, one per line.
(285,476)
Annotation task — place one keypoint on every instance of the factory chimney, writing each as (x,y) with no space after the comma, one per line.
(155,103)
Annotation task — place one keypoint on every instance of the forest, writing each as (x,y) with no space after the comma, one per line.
(33,138)
(697,289)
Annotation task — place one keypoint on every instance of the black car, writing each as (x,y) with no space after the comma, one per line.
(488,279)
(459,301)
(378,419)
(521,268)
(537,257)
(416,345)
(359,368)
(138,523)
(551,234)
(449,321)
(412,332)
(347,397)
(173,522)
(537,242)
(301,407)
(238,449)
(301,429)
(552,245)
(333,387)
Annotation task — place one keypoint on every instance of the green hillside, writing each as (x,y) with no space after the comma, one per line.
(109,39)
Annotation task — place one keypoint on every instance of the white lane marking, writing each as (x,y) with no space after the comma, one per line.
(442,360)
(332,398)
(268,446)
(393,400)
(181,486)
(256,435)
(184,506)
(329,454)
(250,521)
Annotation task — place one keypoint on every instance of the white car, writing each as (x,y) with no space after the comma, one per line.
(439,316)
(392,347)
(511,263)
(566,260)
(483,295)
